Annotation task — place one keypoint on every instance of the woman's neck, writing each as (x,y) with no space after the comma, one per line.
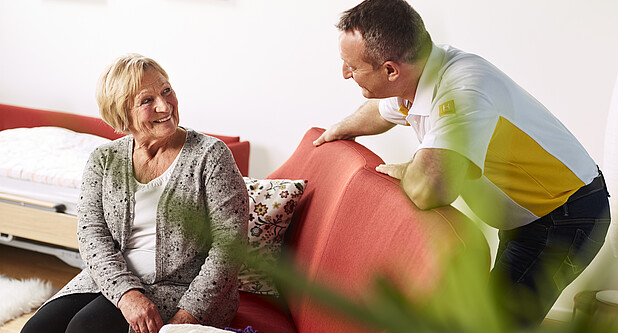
(157,146)
(151,159)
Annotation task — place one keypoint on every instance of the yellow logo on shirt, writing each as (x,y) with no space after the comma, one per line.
(404,111)
(447,108)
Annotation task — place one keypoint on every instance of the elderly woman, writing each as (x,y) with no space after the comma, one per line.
(159,215)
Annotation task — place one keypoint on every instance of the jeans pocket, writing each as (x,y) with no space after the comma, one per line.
(580,254)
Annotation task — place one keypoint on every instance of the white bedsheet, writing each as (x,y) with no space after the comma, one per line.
(56,194)
(45,163)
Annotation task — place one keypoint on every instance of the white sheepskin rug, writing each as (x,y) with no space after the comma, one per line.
(22,296)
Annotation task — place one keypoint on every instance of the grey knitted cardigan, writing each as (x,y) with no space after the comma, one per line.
(202,212)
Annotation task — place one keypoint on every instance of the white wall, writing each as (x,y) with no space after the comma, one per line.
(269,69)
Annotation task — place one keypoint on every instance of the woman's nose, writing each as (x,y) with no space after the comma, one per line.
(161,104)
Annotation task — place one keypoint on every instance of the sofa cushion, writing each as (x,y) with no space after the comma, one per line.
(271,205)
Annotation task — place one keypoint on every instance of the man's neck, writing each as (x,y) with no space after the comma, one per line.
(412,78)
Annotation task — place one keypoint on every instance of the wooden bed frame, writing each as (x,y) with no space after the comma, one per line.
(43,221)
(37,221)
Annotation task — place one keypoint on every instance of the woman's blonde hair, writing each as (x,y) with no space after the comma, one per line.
(117,87)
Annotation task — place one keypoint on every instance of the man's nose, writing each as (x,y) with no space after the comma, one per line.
(347,73)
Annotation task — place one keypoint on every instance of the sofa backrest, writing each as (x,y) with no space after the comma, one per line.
(15,116)
(353,224)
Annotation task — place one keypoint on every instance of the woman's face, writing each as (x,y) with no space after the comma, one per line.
(155,108)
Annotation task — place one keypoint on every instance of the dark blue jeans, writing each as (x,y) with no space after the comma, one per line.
(537,261)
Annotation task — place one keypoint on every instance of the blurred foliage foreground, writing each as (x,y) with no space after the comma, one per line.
(460,303)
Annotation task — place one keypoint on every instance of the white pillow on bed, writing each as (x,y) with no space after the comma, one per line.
(49,155)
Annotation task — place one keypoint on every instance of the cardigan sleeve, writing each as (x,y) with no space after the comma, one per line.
(99,229)
(212,296)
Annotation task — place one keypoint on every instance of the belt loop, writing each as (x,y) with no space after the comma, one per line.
(565,208)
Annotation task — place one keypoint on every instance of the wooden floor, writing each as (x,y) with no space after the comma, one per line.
(18,263)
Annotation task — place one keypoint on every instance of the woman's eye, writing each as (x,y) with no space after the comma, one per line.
(146,101)
(167,91)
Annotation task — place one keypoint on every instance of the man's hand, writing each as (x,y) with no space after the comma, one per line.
(330,135)
(140,312)
(394,170)
(183,317)
(365,121)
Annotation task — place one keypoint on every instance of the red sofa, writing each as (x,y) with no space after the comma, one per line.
(15,116)
(351,224)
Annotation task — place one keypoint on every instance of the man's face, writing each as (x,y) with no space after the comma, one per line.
(373,82)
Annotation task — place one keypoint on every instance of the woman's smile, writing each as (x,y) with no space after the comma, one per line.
(163,120)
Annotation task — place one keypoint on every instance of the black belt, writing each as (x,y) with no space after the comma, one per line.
(597,184)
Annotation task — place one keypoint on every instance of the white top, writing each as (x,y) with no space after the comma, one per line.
(140,250)
(529,162)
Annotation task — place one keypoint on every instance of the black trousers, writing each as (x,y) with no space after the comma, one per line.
(78,313)
(537,261)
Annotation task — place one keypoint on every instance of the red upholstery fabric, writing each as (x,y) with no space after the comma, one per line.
(15,116)
(265,314)
(240,151)
(353,223)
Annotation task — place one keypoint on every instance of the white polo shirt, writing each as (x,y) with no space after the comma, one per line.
(530,163)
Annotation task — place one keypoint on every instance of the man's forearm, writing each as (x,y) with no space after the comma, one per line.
(366,121)
(434,177)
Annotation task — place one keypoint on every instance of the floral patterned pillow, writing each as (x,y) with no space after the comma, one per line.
(271,205)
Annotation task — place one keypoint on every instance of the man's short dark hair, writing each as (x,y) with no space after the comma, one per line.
(392,30)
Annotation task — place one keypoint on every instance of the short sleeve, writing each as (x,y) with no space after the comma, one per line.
(389,110)
(462,121)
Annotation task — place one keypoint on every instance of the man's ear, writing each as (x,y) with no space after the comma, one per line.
(391,69)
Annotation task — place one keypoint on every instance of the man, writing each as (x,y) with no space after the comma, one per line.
(481,137)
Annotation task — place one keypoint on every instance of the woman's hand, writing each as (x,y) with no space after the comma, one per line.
(183,317)
(140,312)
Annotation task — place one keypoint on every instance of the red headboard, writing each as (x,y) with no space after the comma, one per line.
(15,116)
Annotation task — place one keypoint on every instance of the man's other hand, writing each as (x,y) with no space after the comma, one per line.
(394,170)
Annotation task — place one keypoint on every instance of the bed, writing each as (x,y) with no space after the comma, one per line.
(42,156)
